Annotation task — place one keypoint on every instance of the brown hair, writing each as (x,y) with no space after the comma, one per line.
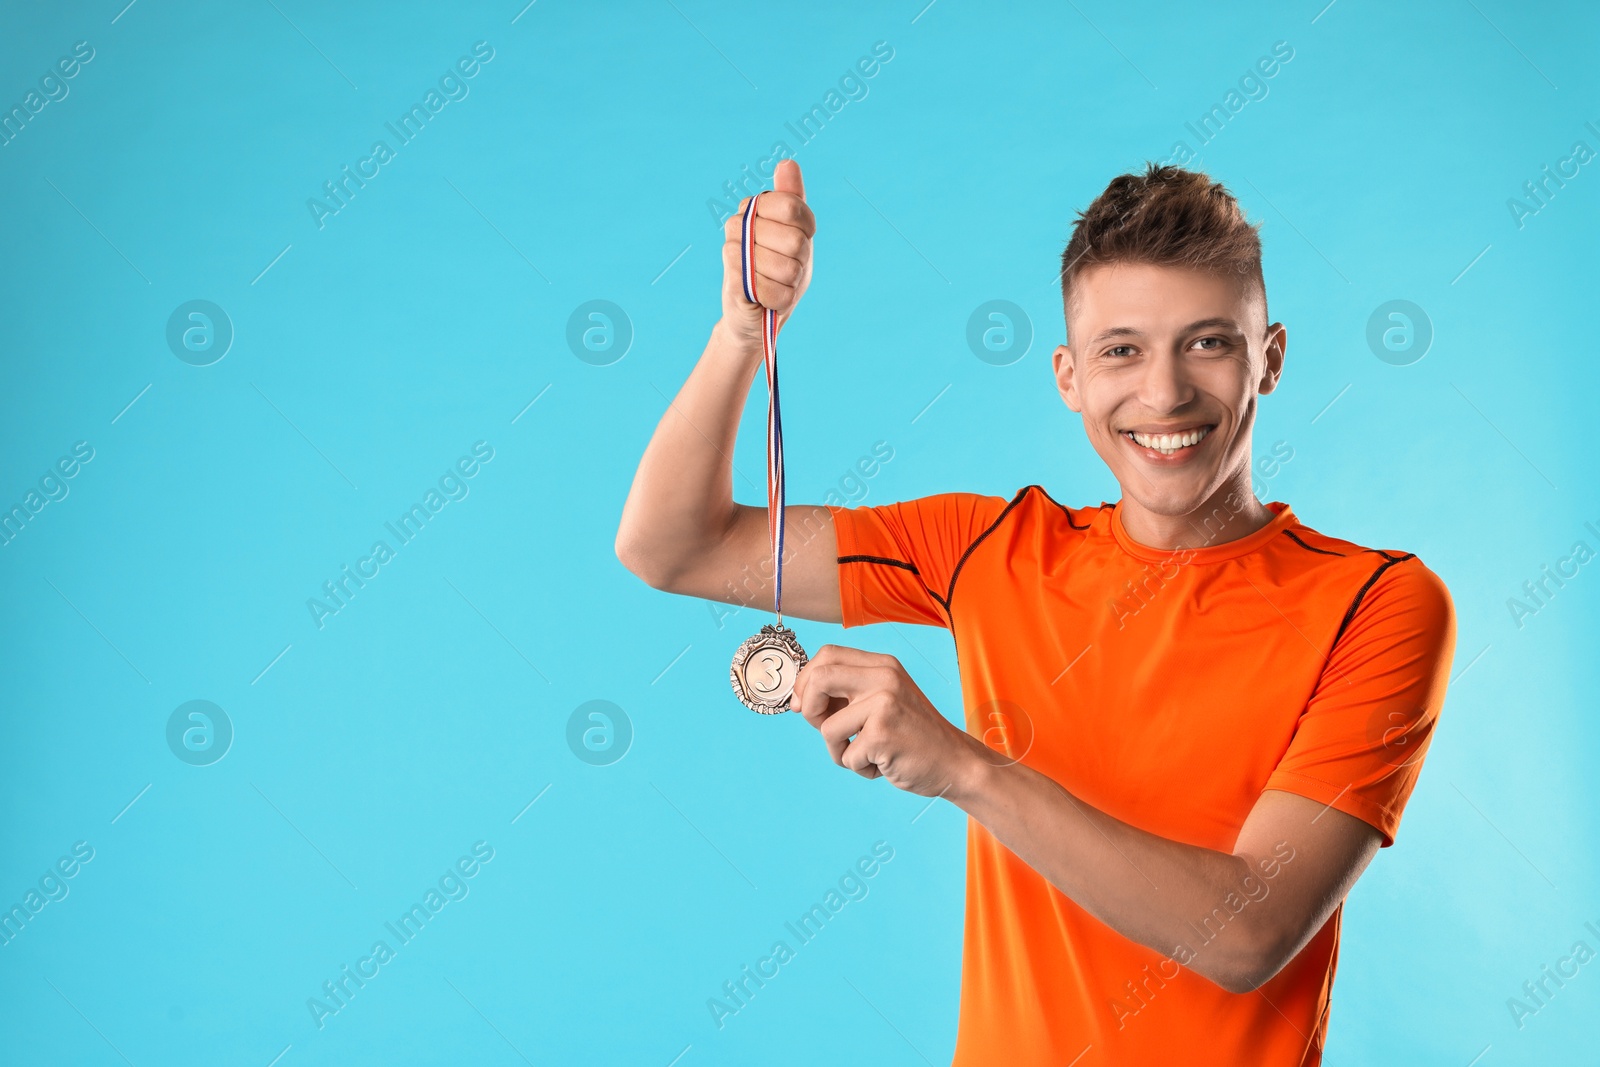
(1168,217)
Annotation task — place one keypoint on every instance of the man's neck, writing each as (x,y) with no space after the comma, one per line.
(1213,523)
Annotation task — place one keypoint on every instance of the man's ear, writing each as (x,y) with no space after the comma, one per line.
(1066,380)
(1275,349)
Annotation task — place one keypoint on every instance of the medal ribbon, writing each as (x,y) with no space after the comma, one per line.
(769,348)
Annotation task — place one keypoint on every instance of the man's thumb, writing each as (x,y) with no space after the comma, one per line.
(786,179)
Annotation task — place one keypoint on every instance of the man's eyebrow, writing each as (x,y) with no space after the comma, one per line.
(1200,324)
(1217,323)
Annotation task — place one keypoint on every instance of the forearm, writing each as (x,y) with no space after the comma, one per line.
(1152,890)
(681,501)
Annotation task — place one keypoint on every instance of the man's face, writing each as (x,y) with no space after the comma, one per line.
(1168,351)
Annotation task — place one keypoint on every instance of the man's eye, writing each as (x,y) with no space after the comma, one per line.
(1219,342)
(1119,350)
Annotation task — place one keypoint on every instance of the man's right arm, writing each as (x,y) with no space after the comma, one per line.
(681,530)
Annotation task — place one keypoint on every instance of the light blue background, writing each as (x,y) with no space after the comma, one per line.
(429,312)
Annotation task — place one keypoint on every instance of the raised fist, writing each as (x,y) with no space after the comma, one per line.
(784,226)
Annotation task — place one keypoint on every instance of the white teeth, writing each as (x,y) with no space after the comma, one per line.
(1168,443)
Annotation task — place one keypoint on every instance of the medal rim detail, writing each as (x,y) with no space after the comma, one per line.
(769,636)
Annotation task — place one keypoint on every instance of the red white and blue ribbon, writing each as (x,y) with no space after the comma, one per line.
(769,348)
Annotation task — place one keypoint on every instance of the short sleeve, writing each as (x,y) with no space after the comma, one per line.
(896,561)
(1360,742)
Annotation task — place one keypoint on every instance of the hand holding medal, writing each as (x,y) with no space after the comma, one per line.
(767,663)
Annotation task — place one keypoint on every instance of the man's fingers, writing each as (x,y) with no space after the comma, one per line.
(820,681)
(775,207)
(775,277)
(778,236)
(789,210)
(839,671)
(778,275)
(837,691)
(813,700)
(783,206)
(839,727)
(777,267)
(820,690)
(855,758)
(770,232)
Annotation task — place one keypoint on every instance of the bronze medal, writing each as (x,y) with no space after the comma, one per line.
(765,667)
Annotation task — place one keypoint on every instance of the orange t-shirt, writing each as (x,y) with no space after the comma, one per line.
(1167,689)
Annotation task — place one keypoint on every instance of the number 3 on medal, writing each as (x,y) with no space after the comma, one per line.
(774,665)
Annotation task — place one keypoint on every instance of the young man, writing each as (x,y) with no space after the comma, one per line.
(1191,720)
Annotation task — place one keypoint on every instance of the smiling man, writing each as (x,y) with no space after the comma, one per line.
(1191,720)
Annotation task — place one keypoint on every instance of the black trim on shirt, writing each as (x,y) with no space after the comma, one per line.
(1389,561)
(944,601)
(962,562)
(879,559)
(903,564)
(1307,547)
(1064,509)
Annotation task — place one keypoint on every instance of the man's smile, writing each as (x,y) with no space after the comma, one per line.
(1167,446)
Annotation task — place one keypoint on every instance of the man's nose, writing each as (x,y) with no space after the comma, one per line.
(1165,386)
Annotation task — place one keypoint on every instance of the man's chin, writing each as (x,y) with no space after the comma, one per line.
(1169,501)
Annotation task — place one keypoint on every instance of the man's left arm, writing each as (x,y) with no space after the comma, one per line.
(1294,861)
(1358,748)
